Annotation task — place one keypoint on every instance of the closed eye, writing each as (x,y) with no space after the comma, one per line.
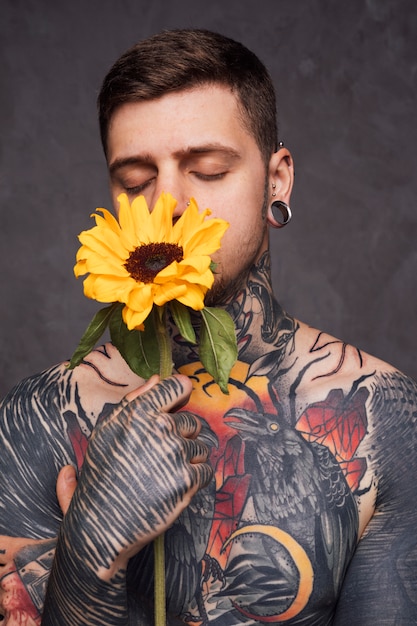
(210,177)
(137,189)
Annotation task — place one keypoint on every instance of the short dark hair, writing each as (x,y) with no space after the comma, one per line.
(175,60)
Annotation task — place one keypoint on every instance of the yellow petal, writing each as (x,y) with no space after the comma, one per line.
(140,297)
(108,288)
(125,212)
(206,279)
(185,272)
(198,264)
(109,267)
(135,319)
(80,268)
(108,219)
(127,221)
(170,272)
(104,244)
(190,221)
(206,239)
(142,221)
(194,297)
(109,264)
(161,217)
(169,291)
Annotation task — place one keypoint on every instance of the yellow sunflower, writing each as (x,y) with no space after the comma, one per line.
(144,259)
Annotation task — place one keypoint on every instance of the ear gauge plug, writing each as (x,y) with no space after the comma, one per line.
(279,214)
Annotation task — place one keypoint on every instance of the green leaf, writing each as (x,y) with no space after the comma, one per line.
(218,346)
(139,348)
(94,331)
(182,319)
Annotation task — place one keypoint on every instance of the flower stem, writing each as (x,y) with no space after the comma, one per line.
(165,369)
(164,342)
(159,584)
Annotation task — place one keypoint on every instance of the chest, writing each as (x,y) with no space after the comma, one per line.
(271,538)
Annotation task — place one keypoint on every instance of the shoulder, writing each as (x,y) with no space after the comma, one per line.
(45,423)
(327,367)
(322,362)
(60,407)
(102,378)
(363,409)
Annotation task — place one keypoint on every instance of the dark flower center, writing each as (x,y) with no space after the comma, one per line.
(145,262)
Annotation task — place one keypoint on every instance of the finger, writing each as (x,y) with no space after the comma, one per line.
(65,486)
(203,474)
(151,382)
(187,424)
(197,451)
(166,395)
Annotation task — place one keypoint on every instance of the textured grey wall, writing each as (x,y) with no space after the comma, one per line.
(346,75)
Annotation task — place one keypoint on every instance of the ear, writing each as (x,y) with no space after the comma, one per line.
(281,180)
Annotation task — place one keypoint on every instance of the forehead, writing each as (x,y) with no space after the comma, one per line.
(209,114)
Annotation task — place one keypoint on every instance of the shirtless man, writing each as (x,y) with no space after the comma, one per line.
(308,515)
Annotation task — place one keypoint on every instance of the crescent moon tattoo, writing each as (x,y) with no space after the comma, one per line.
(301,561)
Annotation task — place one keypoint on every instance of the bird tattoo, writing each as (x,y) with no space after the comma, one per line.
(297,532)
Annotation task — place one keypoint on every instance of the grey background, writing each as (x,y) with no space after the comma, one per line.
(346,76)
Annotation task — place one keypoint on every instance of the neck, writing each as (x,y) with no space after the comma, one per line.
(263,329)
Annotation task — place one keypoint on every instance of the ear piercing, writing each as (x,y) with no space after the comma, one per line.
(281,213)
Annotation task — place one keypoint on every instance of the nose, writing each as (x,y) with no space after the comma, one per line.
(180,207)
(174,184)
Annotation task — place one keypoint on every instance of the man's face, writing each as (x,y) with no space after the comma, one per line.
(193,144)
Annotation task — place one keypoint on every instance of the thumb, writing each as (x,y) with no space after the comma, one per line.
(65,486)
(151,382)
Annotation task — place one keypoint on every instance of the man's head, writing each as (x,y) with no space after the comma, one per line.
(193,114)
(178,60)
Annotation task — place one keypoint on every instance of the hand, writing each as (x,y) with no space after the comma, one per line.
(67,477)
(143,465)
(65,486)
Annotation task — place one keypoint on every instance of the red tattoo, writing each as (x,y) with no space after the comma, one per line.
(339,422)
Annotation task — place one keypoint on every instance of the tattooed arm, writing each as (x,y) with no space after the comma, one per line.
(25,565)
(142,467)
(35,445)
(45,424)
(381,583)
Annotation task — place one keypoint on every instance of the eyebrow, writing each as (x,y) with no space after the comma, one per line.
(146,159)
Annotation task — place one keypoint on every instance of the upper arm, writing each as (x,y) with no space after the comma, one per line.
(35,445)
(45,423)
(381,583)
